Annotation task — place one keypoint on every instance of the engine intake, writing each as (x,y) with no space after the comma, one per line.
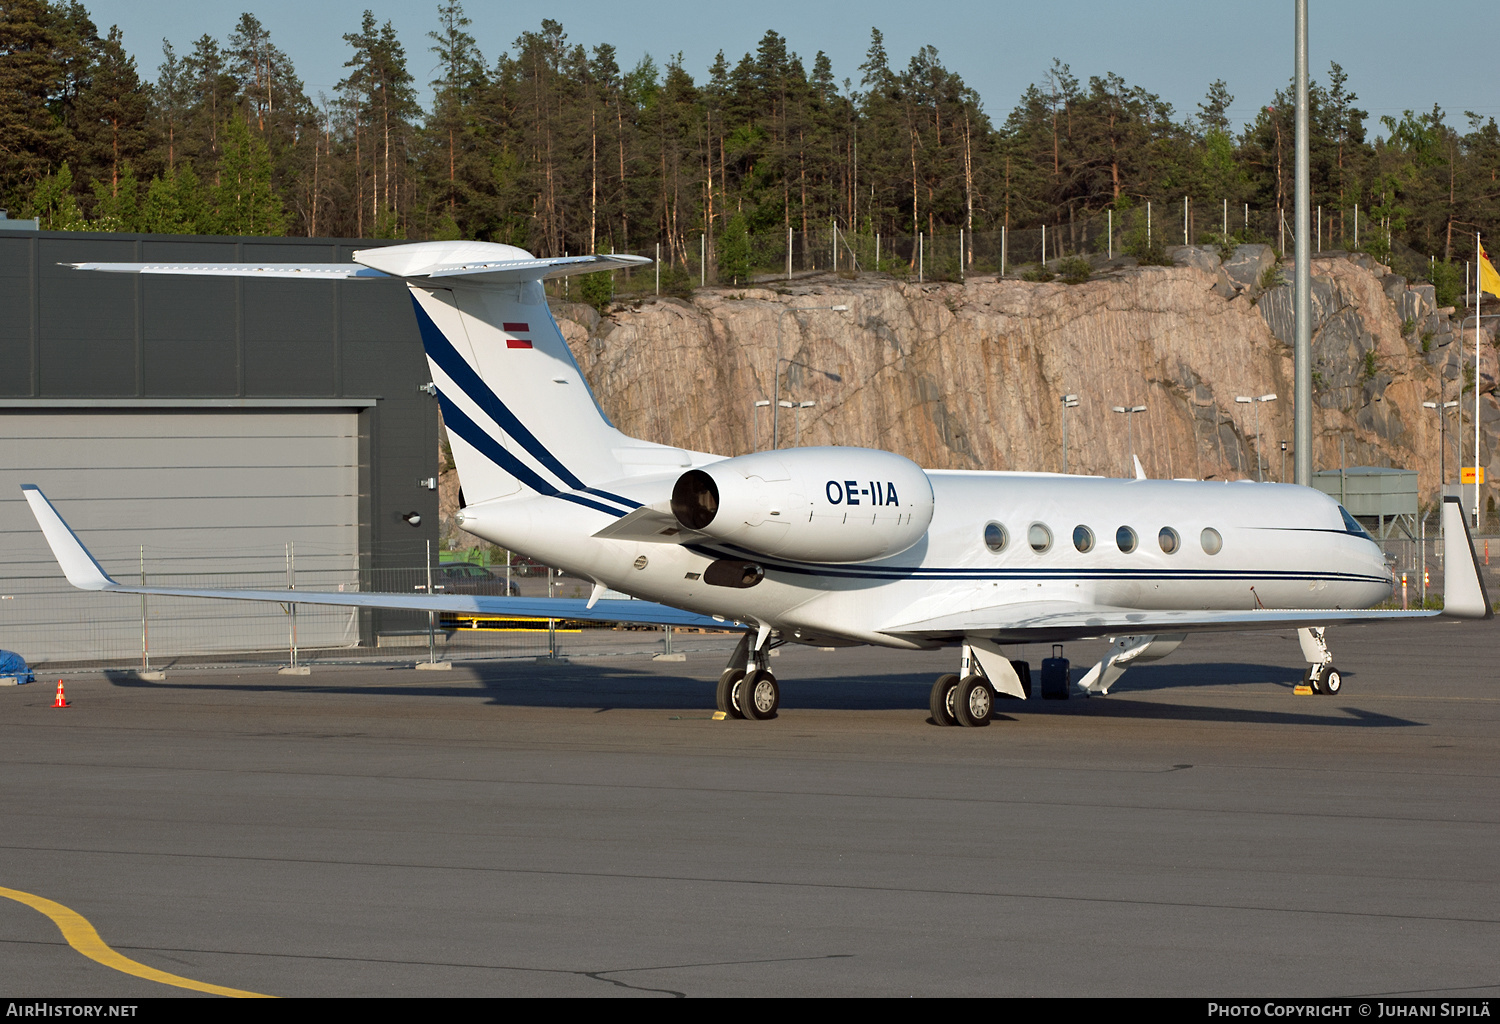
(822,505)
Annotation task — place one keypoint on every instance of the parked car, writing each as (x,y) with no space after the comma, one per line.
(468,578)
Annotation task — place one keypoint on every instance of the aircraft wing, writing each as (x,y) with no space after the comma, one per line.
(1058,621)
(85,573)
(302,271)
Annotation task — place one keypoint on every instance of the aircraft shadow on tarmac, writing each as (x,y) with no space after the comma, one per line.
(605,688)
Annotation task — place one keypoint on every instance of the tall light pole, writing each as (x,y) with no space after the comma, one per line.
(1257,402)
(755,420)
(776,409)
(799,406)
(1130,412)
(1442,411)
(1068,402)
(1302,279)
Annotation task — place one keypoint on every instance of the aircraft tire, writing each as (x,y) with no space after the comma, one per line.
(759,696)
(940,702)
(1331,682)
(973,701)
(726,696)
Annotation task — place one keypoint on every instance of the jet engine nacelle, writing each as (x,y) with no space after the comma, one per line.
(809,504)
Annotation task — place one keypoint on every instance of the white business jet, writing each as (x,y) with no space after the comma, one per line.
(830,546)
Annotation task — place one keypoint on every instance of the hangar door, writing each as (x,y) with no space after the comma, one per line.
(198,497)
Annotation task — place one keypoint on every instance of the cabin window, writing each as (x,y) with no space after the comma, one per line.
(1212,542)
(994,537)
(1039,537)
(1083,538)
(1125,539)
(1169,540)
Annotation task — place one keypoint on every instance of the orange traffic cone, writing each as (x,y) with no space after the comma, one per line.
(61,701)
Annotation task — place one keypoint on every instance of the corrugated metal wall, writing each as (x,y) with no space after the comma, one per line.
(214,422)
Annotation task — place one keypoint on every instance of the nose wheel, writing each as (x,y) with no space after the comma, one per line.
(727,697)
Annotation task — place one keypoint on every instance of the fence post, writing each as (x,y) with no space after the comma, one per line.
(961,254)
(551,623)
(788,252)
(877,252)
(1002,249)
(145,645)
(658,268)
(1111,249)
(431,616)
(921,255)
(703,259)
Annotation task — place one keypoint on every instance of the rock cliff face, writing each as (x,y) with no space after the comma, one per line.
(968,376)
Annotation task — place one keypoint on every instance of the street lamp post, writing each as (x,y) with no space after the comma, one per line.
(1441,408)
(755,420)
(798,406)
(1130,428)
(1068,402)
(1257,401)
(776,409)
(1442,411)
(1283,462)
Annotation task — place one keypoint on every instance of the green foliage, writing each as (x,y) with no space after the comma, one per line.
(598,290)
(1150,253)
(734,252)
(245,201)
(1037,272)
(1407,326)
(53,203)
(1368,371)
(1448,282)
(1426,341)
(1271,278)
(1074,270)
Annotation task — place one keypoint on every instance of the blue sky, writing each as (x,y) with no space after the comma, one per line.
(1395,57)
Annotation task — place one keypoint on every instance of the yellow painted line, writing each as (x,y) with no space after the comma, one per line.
(81,936)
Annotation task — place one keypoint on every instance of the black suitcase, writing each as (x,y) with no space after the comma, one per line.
(1055,679)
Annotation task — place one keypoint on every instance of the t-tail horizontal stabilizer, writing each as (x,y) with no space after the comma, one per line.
(85,573)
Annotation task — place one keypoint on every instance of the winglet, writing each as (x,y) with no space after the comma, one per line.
(1464,592)
(77,564)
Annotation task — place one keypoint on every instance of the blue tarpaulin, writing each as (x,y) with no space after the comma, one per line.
(12,664)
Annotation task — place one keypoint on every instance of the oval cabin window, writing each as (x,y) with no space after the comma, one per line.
(1125,539)
(994,537)
(1212,542)
(1169,540)
(1083,538)
(1039,537)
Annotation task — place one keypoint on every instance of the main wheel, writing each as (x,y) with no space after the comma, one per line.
(760,696)
(940,702)
(728,694)
(973,701)
(1330,682)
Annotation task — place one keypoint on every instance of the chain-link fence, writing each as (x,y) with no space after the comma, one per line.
(1135,228)
(56,627)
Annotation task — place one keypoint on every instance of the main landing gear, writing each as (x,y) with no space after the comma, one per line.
(747,689)
(1321,676)
(968,698)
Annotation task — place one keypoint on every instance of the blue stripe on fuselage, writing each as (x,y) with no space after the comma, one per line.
(470,383)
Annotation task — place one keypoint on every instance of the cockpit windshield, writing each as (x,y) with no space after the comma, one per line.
(1351,525)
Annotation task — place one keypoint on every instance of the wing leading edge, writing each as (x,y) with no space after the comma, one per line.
(85,573)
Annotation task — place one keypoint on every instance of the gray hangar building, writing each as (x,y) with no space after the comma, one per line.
(208,431)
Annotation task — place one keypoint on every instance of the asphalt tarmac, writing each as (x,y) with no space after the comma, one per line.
(588,830)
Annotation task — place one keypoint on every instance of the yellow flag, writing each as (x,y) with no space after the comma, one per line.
(1489,280)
